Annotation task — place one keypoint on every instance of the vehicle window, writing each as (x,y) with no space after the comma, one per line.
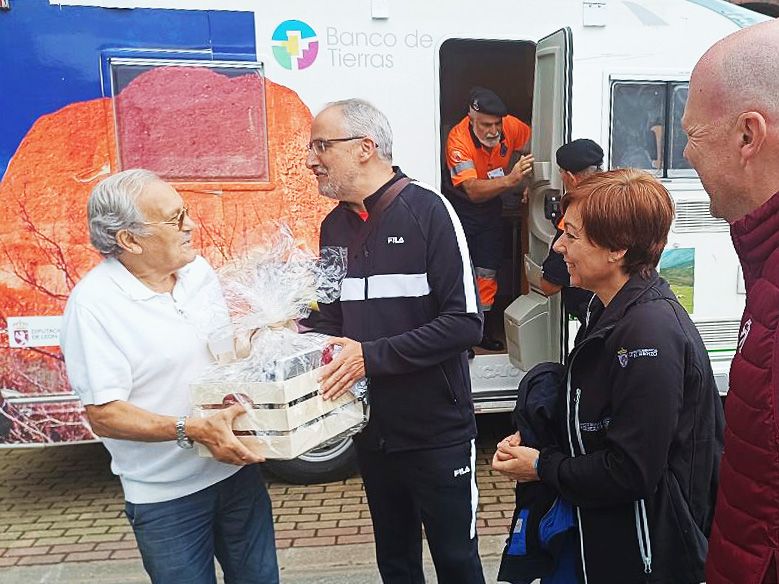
(637,126)
(677,163)
(191,120)
(646,129)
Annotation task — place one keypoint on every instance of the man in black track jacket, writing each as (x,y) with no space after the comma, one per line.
(407,313)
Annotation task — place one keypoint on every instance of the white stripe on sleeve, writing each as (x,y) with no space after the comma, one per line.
(385,286)
(471,305)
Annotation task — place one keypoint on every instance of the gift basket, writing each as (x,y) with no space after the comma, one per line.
(265,365)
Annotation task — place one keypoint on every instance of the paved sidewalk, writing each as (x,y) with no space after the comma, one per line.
(344,564)
(62,504)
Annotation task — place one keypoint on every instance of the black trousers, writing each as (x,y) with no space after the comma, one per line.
(435,488)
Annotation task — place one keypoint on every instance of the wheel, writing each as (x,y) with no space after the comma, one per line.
(335,462)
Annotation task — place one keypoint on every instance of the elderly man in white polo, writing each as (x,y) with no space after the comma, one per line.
(133,338)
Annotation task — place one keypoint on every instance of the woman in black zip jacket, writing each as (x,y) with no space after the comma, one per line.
(640,433)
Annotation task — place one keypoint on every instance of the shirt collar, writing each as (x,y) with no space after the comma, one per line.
(631,292)
(373,198)
(133,287)
(756,237)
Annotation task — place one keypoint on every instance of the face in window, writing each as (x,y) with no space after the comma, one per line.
(588,264)
(334,164)
(713,152)
(488,129)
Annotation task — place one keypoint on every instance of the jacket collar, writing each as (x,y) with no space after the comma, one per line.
(372,199)
(755,237)
(601,319)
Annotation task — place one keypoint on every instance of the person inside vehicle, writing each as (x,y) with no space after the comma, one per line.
(479,151)
(576,160)
(638,450)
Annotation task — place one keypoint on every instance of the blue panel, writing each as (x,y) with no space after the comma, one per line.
(52,54)
(233,35)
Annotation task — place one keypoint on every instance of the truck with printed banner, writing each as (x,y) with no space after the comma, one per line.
(217,97)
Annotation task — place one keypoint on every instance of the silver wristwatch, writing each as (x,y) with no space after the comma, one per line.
(181,436)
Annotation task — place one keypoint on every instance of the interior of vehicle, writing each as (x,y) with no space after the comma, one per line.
(507,68)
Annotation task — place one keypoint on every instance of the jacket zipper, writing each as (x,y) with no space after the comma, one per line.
(642,532)
(576,420)
(573,453)
(573,355)
(639,506)
(581,448)
(366,271)
(450,391)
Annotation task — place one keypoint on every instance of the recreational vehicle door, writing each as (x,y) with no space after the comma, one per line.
(534,323)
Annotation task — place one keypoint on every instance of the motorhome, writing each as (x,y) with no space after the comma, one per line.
(218,96)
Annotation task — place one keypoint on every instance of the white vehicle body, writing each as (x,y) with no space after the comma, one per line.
(390,53)
(580,69)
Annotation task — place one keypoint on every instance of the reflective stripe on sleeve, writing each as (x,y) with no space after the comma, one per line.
(352,289)
(462,167)
(385,286)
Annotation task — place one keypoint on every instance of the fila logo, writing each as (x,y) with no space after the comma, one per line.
(462,471)
(395,239)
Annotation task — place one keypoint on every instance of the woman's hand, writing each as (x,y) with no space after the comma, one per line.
(512,440)
(515,461)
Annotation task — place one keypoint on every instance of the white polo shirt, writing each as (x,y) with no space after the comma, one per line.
(123,341)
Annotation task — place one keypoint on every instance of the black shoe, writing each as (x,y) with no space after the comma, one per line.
(492,344)
(471,353)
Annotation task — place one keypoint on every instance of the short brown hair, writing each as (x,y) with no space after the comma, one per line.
(625,209)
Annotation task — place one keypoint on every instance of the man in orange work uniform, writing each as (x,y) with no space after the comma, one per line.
(479,151)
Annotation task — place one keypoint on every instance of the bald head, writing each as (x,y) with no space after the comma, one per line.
(741,72)
(732,120)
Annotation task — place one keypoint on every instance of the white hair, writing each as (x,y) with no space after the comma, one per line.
(362,118)
(584,172)
(112,207)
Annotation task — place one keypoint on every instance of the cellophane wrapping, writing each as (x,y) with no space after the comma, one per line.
(265,365)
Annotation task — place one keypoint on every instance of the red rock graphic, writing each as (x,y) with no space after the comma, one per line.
(185,122)
(44,246)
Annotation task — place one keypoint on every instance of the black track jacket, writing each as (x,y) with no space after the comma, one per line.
(642,442)
(409,297)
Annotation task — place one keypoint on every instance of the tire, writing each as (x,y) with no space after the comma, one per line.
(335,462)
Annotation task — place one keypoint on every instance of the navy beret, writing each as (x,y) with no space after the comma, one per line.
(487,102)
(579,154)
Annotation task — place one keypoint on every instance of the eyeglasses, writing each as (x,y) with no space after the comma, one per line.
(320,146)
(178,221)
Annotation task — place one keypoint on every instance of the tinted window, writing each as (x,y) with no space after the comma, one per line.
(678,138)
(638,118)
